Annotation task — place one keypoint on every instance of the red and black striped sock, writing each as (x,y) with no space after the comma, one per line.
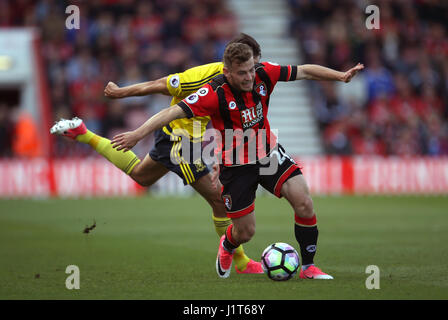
(228,243)
(306,233)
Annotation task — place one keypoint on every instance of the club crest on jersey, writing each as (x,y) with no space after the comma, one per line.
(261,89)
(202,92)
(232,105)
(174,81)
(200,166)
(192,98)
(251,116)
(227,201)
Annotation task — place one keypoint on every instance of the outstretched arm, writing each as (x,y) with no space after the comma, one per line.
(140,89)
(316,72)
(128,140)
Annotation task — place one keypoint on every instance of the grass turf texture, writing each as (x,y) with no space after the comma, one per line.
(165,248)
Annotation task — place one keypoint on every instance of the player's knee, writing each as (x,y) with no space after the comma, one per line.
(219,211)
(144,183)
(142,180)
(304,207)
(247,233)
(137,178)
(215,201)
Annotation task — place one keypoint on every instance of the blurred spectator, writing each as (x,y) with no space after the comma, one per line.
(378,77)
(328,107)
(25,140)
(355,94)
(336,138)
(146,25)
(6,131)
(368,144)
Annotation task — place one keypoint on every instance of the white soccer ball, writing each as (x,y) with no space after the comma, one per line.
(280,261)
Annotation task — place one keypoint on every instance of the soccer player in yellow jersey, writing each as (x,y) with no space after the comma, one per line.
(158,162)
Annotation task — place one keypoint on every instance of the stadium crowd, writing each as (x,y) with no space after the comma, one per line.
(397,106)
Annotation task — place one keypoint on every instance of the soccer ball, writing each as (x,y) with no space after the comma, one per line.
(280,261)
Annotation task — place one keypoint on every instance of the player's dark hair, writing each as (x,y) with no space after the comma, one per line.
(251,42)
(238,53)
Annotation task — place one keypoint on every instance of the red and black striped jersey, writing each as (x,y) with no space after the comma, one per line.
(240,117)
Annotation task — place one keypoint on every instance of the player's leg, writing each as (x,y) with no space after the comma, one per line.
(76,129)
(212,195)
(296,191)
(205,188)
(240,231)
(243,229)
(287,181)
(239,189)
(145,172)
(148,171)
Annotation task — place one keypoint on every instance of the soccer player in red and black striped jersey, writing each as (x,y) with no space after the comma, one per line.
(238,103)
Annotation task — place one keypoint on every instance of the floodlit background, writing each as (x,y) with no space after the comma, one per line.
(384,134)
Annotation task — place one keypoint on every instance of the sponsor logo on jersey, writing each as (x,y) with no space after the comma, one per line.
(174,81)
(251,116)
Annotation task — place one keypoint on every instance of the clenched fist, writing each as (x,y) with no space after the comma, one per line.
(112,91)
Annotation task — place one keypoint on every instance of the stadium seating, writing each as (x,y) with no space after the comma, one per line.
(399,104)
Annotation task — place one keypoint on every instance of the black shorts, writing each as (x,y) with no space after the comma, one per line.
(168,151)
(240,183)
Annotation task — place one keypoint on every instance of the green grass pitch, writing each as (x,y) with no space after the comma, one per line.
(165,248)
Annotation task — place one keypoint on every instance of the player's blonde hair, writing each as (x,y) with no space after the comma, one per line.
(238,53)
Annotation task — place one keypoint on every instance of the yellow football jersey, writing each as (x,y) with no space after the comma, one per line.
(180,86)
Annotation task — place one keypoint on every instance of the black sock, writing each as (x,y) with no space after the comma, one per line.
(307,239)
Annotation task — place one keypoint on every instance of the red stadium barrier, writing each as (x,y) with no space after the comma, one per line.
(325,175)
(376,175)
(72,178)
(398,176)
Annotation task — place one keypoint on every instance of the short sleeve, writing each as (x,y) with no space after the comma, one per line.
(277,72)
(173,85)
(203,102)
(185,83)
